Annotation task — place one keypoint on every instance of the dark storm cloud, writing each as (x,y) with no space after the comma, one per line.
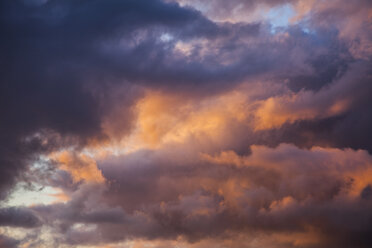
(18,217)
(51,61)
(61,38)
(72,72)
(62,61)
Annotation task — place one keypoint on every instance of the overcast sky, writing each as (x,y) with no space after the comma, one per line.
(185,123)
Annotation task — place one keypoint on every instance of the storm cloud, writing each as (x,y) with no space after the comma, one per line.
(185,123)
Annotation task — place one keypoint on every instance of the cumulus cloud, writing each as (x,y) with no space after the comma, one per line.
(319,197)
(190,123)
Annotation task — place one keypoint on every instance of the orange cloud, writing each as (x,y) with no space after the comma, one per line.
(165,118)
(275,111)
(292,161)
(80,166)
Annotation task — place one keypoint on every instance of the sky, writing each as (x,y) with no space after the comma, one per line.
(185,123)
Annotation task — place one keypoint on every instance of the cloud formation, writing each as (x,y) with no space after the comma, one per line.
(18,217)
(186,123)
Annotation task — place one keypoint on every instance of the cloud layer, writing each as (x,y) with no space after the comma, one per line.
(185,123)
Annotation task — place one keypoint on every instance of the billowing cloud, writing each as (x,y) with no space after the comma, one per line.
(185,123)
(310,198)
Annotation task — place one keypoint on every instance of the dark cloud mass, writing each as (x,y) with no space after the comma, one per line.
(185,123)
(18,217)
